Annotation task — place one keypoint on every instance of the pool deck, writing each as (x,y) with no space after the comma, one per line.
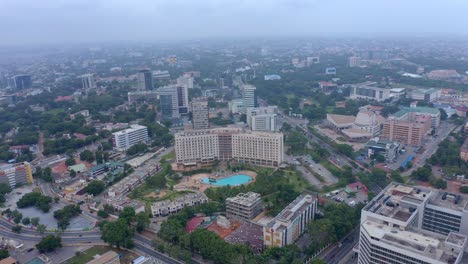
(194,182)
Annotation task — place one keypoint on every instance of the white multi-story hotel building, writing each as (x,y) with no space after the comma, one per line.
(263,118)
(124,139)
(291,222)
(205,146)
(414,225)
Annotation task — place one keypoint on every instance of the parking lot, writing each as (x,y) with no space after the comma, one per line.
(339,195)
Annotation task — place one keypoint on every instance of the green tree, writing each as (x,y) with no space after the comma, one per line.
(296,142)
(16,229)
(41,228)
(5,188)
(49,243)
(72,173)
(109,209)
(26,221)
(128,214)
(17,216)
(95,187)
(35,221)
(422,174)
(142,221)
(464,189)
(4,254)
(87,155)
(440,184)
(70,161)
(118,234)
(102,214)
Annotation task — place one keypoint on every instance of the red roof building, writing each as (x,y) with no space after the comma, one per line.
(193,224)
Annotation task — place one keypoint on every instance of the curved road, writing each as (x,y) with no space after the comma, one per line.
(142,243)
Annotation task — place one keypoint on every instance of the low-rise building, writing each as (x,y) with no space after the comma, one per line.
(427,95)
(367,124)
(365,91)
(110,257)
(120,202)
(130,182)
(291,222)
(388,149)
(84,113)
(167,207)
(244,206)
(108,167)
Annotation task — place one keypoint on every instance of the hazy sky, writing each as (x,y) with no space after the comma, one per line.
(55,21)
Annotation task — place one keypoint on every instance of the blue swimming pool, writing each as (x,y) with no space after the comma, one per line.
(234,180)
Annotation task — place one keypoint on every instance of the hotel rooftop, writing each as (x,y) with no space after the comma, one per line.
(398,202)
(443,250)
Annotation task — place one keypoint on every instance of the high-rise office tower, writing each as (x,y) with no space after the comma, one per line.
(182,99)
(22,81)
(168,101)
(249,99)
(200,113)
(87,81)
(144,80)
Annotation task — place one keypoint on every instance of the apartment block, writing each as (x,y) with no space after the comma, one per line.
(263,118)
(87,81)
(123,140)
(16,174)
(291,222)
(409,112)
(205,146)
(409,132)
(167,207)
(244,206)
(464,150)
(405,224)
(200,114)
(354,61)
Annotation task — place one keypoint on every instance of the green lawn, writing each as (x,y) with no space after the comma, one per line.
(88,255)
(168,156)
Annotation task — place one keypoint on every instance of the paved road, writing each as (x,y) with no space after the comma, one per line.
(336,254)
(142,243)
(432,144)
